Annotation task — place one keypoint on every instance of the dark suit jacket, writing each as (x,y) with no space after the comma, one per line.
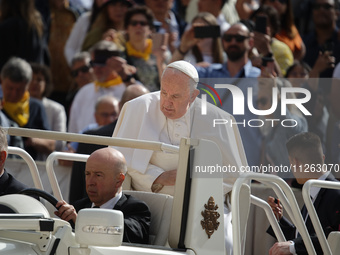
(77,184)
(9,185)
(136,217)
(327,207)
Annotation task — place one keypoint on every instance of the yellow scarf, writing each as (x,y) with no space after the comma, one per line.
(140,54)
(19,112)
(110,83)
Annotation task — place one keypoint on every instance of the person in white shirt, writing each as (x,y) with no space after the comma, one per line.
(110,80)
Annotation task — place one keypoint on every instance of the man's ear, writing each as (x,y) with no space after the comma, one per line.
(3,156)
(293,160)
(120,179)
(194,94)
(251,40)
(96,117)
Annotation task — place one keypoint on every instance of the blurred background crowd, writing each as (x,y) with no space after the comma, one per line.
(83,54)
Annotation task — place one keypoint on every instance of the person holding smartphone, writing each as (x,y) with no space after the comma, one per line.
(201,43)
(112,73)
(266,26)
(305,150)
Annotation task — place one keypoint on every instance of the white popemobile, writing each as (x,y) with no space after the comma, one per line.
(189,223)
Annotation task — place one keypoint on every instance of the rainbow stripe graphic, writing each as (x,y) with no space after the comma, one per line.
(210,94)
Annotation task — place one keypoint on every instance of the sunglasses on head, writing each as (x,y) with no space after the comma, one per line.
(281,1)
(325,6)
(238,38)
(83,69)
(136,22)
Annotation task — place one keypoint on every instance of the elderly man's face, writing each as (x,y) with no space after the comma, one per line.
(101,180)
(107,112)
(175,94)
(13,91)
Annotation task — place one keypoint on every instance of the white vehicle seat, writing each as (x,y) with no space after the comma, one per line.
(160,206)
(23,204)
(334,242)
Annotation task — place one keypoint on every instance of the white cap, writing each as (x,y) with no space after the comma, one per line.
(185,67)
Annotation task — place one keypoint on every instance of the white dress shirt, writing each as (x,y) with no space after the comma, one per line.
(111,203)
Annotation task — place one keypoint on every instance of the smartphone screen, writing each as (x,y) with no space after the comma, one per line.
(268,63)
(100,56)
(207,31)
(261,24)
(159,39)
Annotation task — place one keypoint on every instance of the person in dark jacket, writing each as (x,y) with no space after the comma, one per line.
(8,184)
(105,172)
(305,153)
(77,183)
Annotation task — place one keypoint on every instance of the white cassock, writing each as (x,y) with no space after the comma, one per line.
(142,119)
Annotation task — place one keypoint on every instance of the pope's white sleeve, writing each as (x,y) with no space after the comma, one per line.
(143,182)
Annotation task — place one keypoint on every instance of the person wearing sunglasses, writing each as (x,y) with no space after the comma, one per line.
(200,50)
(81,69)
(144,51)
(238,70)
(82,74)
(111,79)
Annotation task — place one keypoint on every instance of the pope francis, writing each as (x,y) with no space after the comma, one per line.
(167,116)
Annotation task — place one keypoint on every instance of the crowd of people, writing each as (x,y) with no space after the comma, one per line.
(115,43)
(66,65)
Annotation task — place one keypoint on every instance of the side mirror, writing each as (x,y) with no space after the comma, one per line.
(99,227)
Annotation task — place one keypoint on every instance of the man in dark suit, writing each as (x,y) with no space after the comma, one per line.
(105,172)
(305,150)
(8,184)
(77,184)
